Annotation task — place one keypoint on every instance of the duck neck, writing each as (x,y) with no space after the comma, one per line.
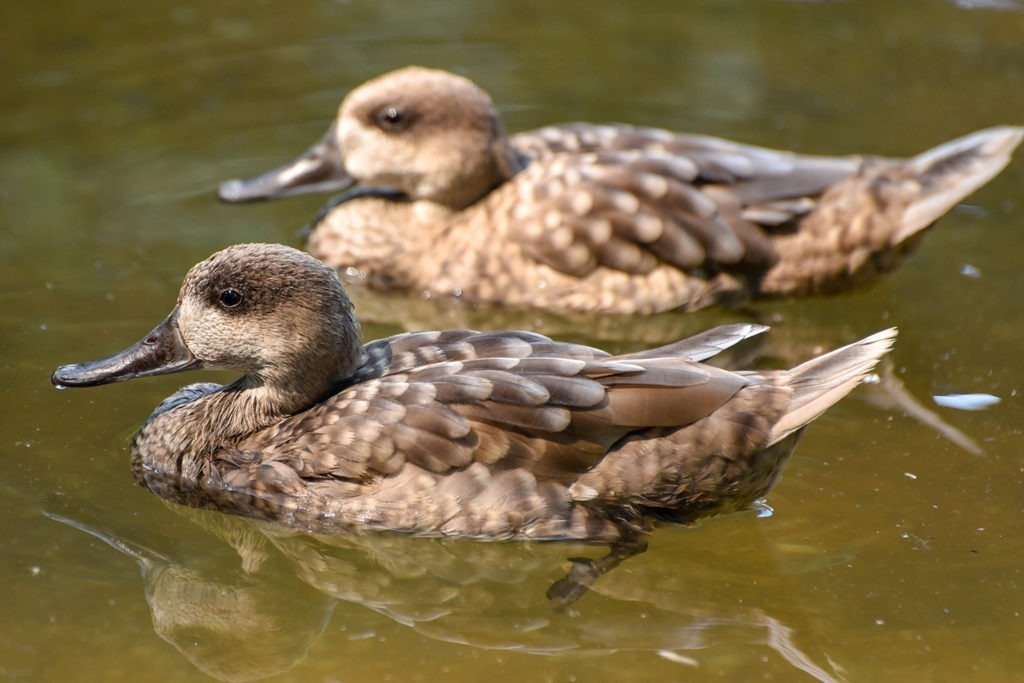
(251,403)
(476,180)
(258,400)
(182,451)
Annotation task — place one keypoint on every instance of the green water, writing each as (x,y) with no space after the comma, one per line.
(892,554)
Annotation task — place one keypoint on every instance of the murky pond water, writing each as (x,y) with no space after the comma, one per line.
(893,553)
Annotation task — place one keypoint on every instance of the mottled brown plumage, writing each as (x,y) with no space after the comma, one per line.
(604,218)
(493,434)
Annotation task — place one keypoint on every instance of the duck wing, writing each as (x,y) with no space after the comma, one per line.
(552,414)
(408,350)
(632,198)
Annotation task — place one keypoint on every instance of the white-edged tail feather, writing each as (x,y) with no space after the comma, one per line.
(953,170)
(821,382)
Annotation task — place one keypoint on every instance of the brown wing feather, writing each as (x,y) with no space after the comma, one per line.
(631,198)
(703,345)
(555,416)
(411,350)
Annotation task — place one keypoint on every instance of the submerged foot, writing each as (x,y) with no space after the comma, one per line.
(585,571)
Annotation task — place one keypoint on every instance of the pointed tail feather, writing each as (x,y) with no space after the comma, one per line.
(821,382)
(955,169)
(701,346)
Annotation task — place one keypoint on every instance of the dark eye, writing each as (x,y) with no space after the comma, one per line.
(392,119)
(230,298)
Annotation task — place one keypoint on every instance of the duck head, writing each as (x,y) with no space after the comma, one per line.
(272,312)
(421,133)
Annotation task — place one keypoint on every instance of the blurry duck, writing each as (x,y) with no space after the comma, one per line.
(603,218)
(488,435)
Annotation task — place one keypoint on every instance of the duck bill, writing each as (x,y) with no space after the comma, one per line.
(161,352)
(319,169)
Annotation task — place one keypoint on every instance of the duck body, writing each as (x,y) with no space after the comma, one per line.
(459,433)
(604,218)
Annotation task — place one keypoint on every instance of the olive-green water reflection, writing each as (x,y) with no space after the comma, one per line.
(893,553)
(251,618)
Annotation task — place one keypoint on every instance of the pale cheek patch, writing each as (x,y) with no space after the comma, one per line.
(369,155)
(217,339)
(190,324)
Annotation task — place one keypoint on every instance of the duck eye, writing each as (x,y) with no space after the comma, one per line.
(392,118)
(230,298)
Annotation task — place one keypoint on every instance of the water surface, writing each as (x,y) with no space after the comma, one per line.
(893,553)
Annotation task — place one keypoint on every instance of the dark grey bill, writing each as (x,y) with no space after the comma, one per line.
(162,351)
(319,169)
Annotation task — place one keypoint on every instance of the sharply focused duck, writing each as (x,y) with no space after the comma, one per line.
(603,218)
(496,435)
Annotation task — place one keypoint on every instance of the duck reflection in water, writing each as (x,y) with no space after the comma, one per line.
(258,615)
